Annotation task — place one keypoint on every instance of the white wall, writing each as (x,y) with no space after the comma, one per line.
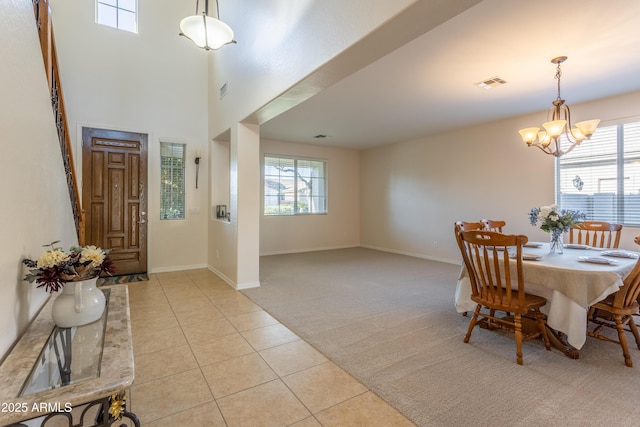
(153,82)
(412,192)
(36,207)
(279,43)
(340,227)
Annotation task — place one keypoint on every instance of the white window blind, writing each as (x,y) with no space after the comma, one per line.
(172,180)
(601,177)
(120,14)
(294,186)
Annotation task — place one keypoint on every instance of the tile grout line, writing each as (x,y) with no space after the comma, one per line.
(209,296)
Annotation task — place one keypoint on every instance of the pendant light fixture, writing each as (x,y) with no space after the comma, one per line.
(558,125)
(206,32)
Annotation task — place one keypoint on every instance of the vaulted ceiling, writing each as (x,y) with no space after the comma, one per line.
(427,86)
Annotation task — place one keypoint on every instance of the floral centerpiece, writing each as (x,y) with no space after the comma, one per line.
(555,221)
(56,267)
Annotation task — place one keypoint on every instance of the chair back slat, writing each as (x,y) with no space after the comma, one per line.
(493,225)
(486,257)
(459,226)
(598,234)
(466,226)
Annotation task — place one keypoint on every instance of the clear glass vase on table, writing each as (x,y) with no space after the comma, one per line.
(556,222)
(556,241)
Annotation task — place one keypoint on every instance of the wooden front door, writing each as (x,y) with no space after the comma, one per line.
(114,195)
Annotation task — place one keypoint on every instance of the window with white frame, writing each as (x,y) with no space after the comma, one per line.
(294,186)
(601,177)
(120,14)
(172,180)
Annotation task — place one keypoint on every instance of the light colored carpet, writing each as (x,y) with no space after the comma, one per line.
(389,320)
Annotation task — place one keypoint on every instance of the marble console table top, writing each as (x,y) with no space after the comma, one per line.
(116,374)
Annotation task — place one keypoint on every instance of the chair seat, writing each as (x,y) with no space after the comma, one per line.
(531,302)
(607,305)
(616,312)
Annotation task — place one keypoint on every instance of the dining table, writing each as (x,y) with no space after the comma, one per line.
(570,282)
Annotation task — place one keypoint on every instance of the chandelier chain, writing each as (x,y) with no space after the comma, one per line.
(558,74)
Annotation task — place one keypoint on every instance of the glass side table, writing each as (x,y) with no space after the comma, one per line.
(70,355)
(53,370)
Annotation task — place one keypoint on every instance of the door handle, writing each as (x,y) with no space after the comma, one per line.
(142,221)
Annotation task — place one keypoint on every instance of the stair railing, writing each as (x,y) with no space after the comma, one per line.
(47,43)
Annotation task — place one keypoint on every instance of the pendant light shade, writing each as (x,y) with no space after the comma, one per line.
(206,32)
(560,124)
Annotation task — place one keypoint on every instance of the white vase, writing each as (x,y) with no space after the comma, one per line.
(78,304)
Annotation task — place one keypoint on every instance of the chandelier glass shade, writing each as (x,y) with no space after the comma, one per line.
(549,139)
(206,32)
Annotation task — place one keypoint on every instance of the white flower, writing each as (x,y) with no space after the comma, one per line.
(93,254)
(52,258)
(545,211)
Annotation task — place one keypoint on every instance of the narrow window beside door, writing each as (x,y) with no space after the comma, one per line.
(172,180)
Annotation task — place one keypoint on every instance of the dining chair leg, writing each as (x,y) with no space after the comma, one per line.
(623,340)
(472,323)
(543,330)
(492,314)
(518,324)
(634,330)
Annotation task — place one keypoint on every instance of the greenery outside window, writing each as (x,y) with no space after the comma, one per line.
(172,180)
(120,14)
(601,177)
(294,186)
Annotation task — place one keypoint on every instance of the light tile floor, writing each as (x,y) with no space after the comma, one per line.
(206,355)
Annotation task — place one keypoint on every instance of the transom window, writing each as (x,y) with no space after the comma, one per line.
(601,177)
(172,180)
(120,14)
(294,186)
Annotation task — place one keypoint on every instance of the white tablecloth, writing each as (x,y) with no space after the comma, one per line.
(569,285)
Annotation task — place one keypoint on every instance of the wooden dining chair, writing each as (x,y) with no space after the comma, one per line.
(466,226)
(616,312)
(493,225)
(598,234)
(459,226)
(493,286)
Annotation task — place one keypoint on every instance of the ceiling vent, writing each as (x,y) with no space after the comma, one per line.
(491,83)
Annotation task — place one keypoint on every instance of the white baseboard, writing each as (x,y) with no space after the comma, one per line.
(250,285)
(176,268)
(295,251)
(234,285)
(415,255)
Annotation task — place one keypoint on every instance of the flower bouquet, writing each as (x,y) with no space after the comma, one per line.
(555,221)
(56,267)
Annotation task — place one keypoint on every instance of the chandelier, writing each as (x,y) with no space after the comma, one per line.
(206,32)
(559,124)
